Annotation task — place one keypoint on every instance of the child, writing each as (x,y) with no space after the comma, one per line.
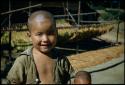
(82,77)
(42,63)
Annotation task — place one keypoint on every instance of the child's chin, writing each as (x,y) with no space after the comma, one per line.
(45,50)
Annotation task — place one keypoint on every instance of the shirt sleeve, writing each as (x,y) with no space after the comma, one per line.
(68,70)
(17,72)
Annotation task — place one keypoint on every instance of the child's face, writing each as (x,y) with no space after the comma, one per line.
(43,35)
(81,81)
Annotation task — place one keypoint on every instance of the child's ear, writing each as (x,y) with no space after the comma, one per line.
(28,34)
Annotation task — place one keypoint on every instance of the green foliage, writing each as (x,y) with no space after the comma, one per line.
(117,15)
(5,38)
(112,14)
(60,21)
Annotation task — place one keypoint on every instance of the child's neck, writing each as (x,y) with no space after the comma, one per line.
(41,55)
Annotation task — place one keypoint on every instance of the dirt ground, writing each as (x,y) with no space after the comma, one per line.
(92,58)
(99,56)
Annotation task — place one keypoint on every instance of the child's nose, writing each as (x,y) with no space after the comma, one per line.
(44,38)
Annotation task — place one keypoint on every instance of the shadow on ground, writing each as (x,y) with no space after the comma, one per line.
(85,45)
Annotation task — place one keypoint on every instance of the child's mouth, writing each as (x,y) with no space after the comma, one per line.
(45,45)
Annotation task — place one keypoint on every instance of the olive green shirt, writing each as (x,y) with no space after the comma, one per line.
(24,70)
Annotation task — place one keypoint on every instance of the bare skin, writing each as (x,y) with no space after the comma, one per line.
(45,67)
(82,77)
(81,81)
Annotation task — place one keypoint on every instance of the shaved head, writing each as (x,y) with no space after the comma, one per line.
(40,16)
(42,31)
(83,75)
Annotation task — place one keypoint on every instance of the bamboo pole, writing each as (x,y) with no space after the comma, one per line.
(77,45)
(71,17)
(79,6)
(21,9)
(9,31)
(117,36)
(67,6)
(63,4)
(29,13)
(74,14)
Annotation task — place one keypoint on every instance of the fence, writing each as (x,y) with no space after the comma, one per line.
(77,24)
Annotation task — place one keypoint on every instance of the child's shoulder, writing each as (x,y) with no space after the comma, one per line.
(27,52)
(25,55)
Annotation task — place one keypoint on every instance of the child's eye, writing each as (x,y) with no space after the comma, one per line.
(39,34)
(50,33)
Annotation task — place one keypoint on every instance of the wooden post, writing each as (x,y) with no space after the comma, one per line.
(117,33)
(77,46)
(9,31)
(64,8)
(29,13)
(67,6)
(79,6)
(20,9)
(71,17)
(118,25)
